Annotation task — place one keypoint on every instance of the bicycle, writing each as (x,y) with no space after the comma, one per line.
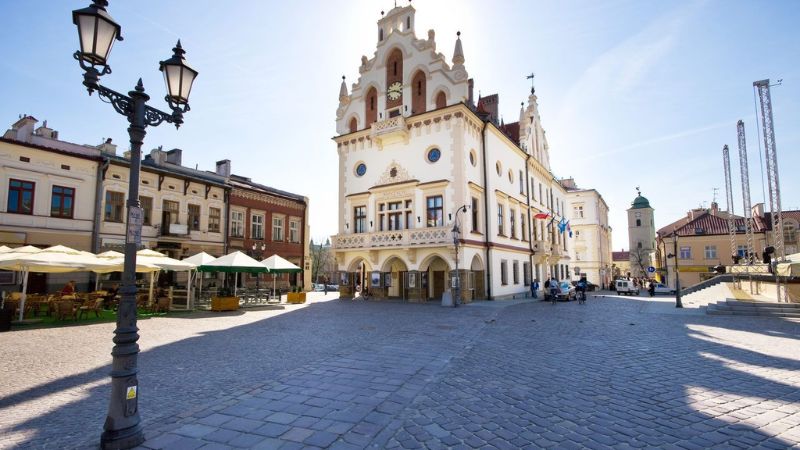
(581,297)
(553,296)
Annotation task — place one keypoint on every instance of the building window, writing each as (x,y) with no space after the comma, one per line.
(169,213)
(533,189)
(360,219)
(500,220)
(475,215)
(391,215)
(577,212)
(711,252)
(147,210)
(504,272)
(521,183)
(256,226)
(741,251)
(62,202)
(789,233)
(435,213)
(214,215)
(516,272)
(115,202)
(513,225)
(523,224)
(434,154)
(20,196)
(194,217)
(237,224)
(277,228)
(686,253)
(294,231)
(638,222)
(526,273)
(361,169)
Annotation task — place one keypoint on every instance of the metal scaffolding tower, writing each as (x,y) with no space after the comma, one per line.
(746,204)
(726,162)
(771,155)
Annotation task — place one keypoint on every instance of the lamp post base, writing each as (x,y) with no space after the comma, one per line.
(122,439)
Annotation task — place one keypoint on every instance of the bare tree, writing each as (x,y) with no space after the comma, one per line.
(641,258)
(322,261)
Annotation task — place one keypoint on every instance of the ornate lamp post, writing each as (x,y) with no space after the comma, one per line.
(97,32)
(456,237)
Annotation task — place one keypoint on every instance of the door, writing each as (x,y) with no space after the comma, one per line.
(438,284)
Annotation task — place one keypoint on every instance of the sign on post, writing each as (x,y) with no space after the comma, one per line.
(651,269)
(135,221)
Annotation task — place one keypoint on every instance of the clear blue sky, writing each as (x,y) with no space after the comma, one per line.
(631,93)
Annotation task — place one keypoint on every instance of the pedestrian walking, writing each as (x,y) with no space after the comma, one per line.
(546,289)
(534,287)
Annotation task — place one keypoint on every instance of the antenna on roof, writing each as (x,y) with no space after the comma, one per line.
(714,196)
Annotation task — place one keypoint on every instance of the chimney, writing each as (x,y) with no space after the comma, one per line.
(174,156)
(158,156)
(757,210)
(714,208)
(224,168)
(45,132)
(108,147)
(22,129)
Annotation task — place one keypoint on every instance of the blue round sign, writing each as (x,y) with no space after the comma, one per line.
(651,269)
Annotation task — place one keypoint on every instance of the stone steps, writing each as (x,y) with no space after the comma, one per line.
(737,308)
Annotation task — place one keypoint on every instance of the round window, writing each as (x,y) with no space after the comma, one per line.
(434,154)
(499,168)
(361,169)
(472,157)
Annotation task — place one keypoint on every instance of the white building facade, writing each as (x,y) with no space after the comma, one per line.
(417,159)
(590,251)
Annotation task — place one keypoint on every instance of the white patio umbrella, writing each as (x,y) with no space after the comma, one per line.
(277,265)
(234,263)
(198,259)
(55,259)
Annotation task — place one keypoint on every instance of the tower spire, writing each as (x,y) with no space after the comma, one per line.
(458,53)
(343,90)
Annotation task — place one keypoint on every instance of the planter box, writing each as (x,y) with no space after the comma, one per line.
(224,303)
(296,297)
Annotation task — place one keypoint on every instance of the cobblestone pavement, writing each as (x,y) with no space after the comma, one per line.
(616,372)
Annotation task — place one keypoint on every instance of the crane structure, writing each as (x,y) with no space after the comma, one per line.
(726,162)
(771,156)
(746,204)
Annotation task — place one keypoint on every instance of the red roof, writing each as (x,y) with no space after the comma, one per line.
(705,223)
(792,215)
(512,131)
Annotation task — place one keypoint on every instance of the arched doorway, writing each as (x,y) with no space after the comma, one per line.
(477,280)
(394,272)
(434,277)
(358,275)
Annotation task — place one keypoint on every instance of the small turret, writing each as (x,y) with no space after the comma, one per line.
(458,53)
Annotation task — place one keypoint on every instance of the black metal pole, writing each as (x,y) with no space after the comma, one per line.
(678,303)
(122,428)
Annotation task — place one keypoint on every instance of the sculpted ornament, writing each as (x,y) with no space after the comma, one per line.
(394,173)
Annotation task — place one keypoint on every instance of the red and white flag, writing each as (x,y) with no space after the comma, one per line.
(541,216)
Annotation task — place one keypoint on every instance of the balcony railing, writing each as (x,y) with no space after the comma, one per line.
(393,128)
(399,238)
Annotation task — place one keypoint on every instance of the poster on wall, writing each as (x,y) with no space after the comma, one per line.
(375,279)
(344,279)
(412,279)
(387,279)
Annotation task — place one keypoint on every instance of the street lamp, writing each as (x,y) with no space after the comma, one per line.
(674,254)
(97,32)
(258,275)
(456,237)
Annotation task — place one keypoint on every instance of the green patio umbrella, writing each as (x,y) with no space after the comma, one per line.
(277,265)
(235,262)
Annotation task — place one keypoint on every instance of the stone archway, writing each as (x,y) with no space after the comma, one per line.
(434,276)
(394,272)
(358,272)
(477,278)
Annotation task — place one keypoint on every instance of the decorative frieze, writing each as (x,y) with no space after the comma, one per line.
(265,198)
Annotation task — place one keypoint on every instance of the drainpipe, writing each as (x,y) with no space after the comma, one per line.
(98,203)
(530,221)
(486,215)
(226,195)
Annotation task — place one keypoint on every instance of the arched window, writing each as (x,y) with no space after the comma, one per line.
(371,103)
(380,34)
(419,94)
(394,74)
(441,100)
(353,125)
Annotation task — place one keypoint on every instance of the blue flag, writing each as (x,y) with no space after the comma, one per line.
(562,225)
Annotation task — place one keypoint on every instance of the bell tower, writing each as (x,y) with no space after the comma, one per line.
(641,235)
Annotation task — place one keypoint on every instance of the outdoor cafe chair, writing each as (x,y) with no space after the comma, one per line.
(66,308)
(91,305)
(162,304)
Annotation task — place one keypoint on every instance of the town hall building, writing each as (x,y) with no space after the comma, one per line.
(430,181)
